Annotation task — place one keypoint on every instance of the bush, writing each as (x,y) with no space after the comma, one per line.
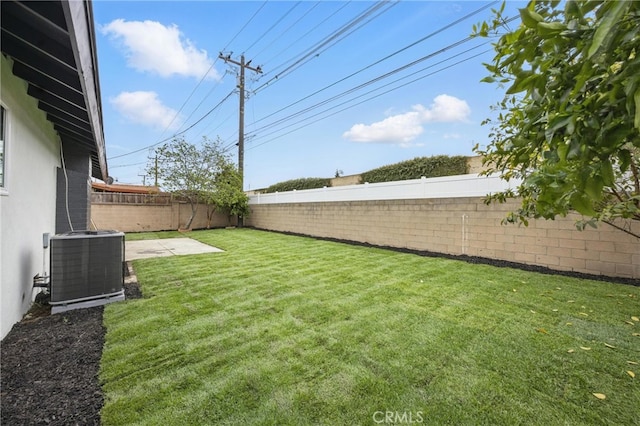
(299,184)
(439,165)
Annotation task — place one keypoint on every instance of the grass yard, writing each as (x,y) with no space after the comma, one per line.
(285,330)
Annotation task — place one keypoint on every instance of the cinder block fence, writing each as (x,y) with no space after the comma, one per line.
(444,215)
(420,215)
(126,216)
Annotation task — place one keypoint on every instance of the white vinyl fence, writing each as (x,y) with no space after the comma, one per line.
(471,185)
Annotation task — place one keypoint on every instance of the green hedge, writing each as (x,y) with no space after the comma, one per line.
(439,165)
(298,184)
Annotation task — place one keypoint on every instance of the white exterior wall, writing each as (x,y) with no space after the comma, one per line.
(27,204)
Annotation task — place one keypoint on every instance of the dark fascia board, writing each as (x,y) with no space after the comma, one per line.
(79,17)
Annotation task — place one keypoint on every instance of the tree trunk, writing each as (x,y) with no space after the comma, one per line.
(211,210)
(194,209)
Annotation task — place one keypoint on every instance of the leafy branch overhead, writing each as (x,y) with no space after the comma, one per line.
(569,124)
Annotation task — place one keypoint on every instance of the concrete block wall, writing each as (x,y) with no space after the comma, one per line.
(460,226)
(149,218)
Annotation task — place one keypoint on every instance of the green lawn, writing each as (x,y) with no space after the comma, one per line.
(285,330)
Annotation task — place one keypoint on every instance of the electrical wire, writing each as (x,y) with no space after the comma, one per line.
(415,43)
(205,98)
(460,42)
(359,18)
(281,76)
(315,50)
(298,39)
(190,95)
(367,83)
(301,59)
(275,24)
(66,188)
(246,24)
(127,165)
(178,133)
(286,30)
(359,103)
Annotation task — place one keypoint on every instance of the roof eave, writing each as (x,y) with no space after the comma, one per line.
(79,16)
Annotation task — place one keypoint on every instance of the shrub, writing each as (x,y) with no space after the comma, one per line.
(439,165)
(299,184)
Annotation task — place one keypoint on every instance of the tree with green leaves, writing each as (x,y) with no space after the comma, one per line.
(188,170)
(227,195)
(568,127)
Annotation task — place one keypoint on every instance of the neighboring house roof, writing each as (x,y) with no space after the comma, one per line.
(53,47)
(122,188)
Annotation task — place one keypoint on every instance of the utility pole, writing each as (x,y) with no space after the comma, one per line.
(258,70)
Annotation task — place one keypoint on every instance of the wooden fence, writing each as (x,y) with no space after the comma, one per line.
(161,199)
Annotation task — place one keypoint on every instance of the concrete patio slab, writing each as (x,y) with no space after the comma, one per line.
(145,249)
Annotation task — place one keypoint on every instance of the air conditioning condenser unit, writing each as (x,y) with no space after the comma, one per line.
(87,269)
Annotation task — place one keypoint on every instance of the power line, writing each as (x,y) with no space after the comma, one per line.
(275,24)
(456,22)
(204,99)
(372,97)
(377,89)
(314,51)
(246,24)
(377,5)
(127,165)
(189,97)
(302,37)
(219,124)
(367,83)
(285,31)
(178,133)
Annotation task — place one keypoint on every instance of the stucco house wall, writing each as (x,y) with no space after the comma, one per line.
(27,203)
(50,89)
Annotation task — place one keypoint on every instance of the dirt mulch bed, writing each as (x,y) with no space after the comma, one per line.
(50,365)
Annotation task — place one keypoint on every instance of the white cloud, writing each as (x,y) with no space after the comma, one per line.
(446,109)
(152,47)
(145,108)
(401,129)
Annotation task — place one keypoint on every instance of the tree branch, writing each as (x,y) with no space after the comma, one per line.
(636,181)
(623,229)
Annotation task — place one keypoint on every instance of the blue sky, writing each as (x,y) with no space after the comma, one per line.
(345,86)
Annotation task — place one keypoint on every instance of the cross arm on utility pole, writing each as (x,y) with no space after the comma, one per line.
(241,64)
